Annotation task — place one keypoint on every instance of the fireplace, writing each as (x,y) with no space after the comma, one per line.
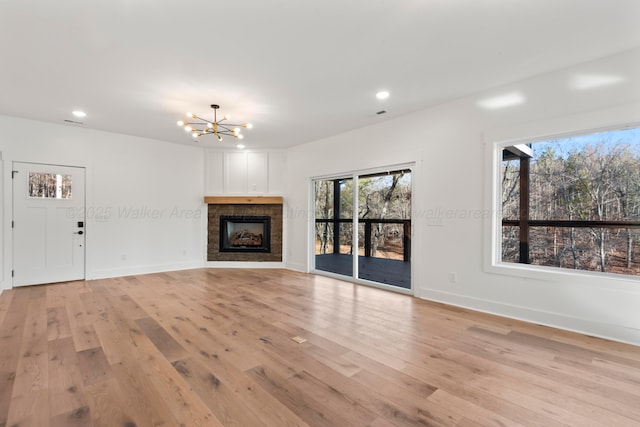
(243,211)
(245,234)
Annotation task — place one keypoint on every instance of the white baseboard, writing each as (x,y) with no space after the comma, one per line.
(620,333)
(301,268)
(142,269)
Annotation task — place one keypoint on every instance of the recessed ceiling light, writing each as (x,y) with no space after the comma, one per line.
(241,146)
(502,101)
(79,113)
(592,81)
(383,94)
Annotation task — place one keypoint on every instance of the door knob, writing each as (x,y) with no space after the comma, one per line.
(79,232)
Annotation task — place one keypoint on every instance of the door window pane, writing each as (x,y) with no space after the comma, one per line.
(384,229)
(49,185)
(334,225)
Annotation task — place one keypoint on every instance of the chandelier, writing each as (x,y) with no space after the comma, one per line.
(199,126)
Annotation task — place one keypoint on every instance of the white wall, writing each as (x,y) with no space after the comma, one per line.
(145,209)
(452,146)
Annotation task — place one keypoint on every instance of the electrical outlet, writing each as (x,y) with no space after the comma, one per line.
(453,277)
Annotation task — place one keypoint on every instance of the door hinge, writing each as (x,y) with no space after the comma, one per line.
(12,272)
(13,174)
(12,224)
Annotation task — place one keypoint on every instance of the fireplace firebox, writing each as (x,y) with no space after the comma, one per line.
(245,234)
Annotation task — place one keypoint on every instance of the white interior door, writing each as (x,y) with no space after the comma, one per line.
(48,223)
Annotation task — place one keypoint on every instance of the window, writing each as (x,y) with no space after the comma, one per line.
(49,185)
(573,202)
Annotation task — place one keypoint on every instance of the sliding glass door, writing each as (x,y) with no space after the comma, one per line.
(380,202)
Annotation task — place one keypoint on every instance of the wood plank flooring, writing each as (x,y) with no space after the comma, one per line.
(213,347)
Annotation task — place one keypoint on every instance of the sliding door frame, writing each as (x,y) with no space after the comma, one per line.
(354,175)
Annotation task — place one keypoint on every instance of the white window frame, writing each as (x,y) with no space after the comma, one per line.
(493,227)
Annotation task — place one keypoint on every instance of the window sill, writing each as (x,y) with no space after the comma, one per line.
(555,274)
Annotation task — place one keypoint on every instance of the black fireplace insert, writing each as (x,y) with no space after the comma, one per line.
(245,234)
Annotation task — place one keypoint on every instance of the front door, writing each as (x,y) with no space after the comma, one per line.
(48,223)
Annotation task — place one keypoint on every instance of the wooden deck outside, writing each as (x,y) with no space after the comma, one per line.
(388,271)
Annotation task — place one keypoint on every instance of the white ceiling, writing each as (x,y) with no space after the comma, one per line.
(298,70)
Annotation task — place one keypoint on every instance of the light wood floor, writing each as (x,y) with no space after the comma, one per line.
(213,347)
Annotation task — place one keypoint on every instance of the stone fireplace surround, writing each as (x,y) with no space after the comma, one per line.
(244,206)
